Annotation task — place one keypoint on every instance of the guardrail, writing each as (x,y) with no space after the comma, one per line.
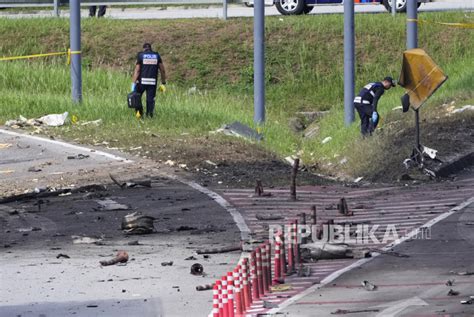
(51,3)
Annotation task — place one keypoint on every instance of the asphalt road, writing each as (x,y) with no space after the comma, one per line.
(235,11)
(34,231)
(406,286)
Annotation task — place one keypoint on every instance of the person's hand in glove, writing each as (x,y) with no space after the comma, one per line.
(133,86)
(375,117)
(162,88)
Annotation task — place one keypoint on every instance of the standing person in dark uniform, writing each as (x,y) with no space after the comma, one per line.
(93,9)
(145,77)
(366,104)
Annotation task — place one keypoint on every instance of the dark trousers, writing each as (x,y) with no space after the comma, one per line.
(93,9)
(150,98)
(365,114)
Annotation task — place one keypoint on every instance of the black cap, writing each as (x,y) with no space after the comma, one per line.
(390,80)
(147,46)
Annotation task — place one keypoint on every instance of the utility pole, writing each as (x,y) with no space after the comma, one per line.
(412,42)
(349,57)
(259,62)
(75,47)
(56,8)
(412,24)
(224,7)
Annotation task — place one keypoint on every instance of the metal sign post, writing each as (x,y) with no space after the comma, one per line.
(56,8)
(394,7)
(75,43)
(349,57)
(412,42)
(224,7)
(259,62)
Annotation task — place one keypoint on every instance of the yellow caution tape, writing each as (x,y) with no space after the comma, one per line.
(68,53)
(455,25)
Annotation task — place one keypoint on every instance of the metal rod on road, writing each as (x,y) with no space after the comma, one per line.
(394,7)
(349,57)
(224,7)
(75,43)
(56,8)
(259,62)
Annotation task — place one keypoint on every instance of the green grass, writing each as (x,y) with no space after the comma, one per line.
(304,72)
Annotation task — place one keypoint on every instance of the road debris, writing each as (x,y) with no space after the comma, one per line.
(205,287)
(135,223)
(281,288)
(467,302)
(52,120)
(121,257)
(450,282)
(268,304)
(259,190)
(268,217)
(294,173)
(86,240)
(324,250)
(78,156)
(191,258)
(392,253)
(452,292)
(219,250)
(239,130)
(343,208)
(5,145)
(197,269)
(109,205)
(131,184)
(94,122)
(170,263)
(61,255)
(463,273)
(369,286)
(134,242)
(326,140)
(353,311)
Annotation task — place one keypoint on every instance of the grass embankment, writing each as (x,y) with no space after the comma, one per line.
(304,72)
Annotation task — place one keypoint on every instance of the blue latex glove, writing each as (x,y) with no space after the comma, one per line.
(133,86)
(375,117)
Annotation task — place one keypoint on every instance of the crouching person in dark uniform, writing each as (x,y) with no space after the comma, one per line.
(366,104)
(145,77)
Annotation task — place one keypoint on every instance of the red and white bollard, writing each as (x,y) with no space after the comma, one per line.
(221,305)
(230,294)
(238,294)
(268,248)
(225,299)
(277,262)
(296,247)
(282,256)
(258,257)
(263,250)
(215,301)
(246,284)
(290,247)
(253,276)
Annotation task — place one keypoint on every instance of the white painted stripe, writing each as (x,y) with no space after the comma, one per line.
(361,262)
(67,145)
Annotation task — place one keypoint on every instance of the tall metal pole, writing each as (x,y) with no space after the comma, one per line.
(412,24)
(349,57)
(224,7)
(259,62)
(75,43)
(412,42)
(56,8)
(394,7)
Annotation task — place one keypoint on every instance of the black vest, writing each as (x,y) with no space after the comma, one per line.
(148,61)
